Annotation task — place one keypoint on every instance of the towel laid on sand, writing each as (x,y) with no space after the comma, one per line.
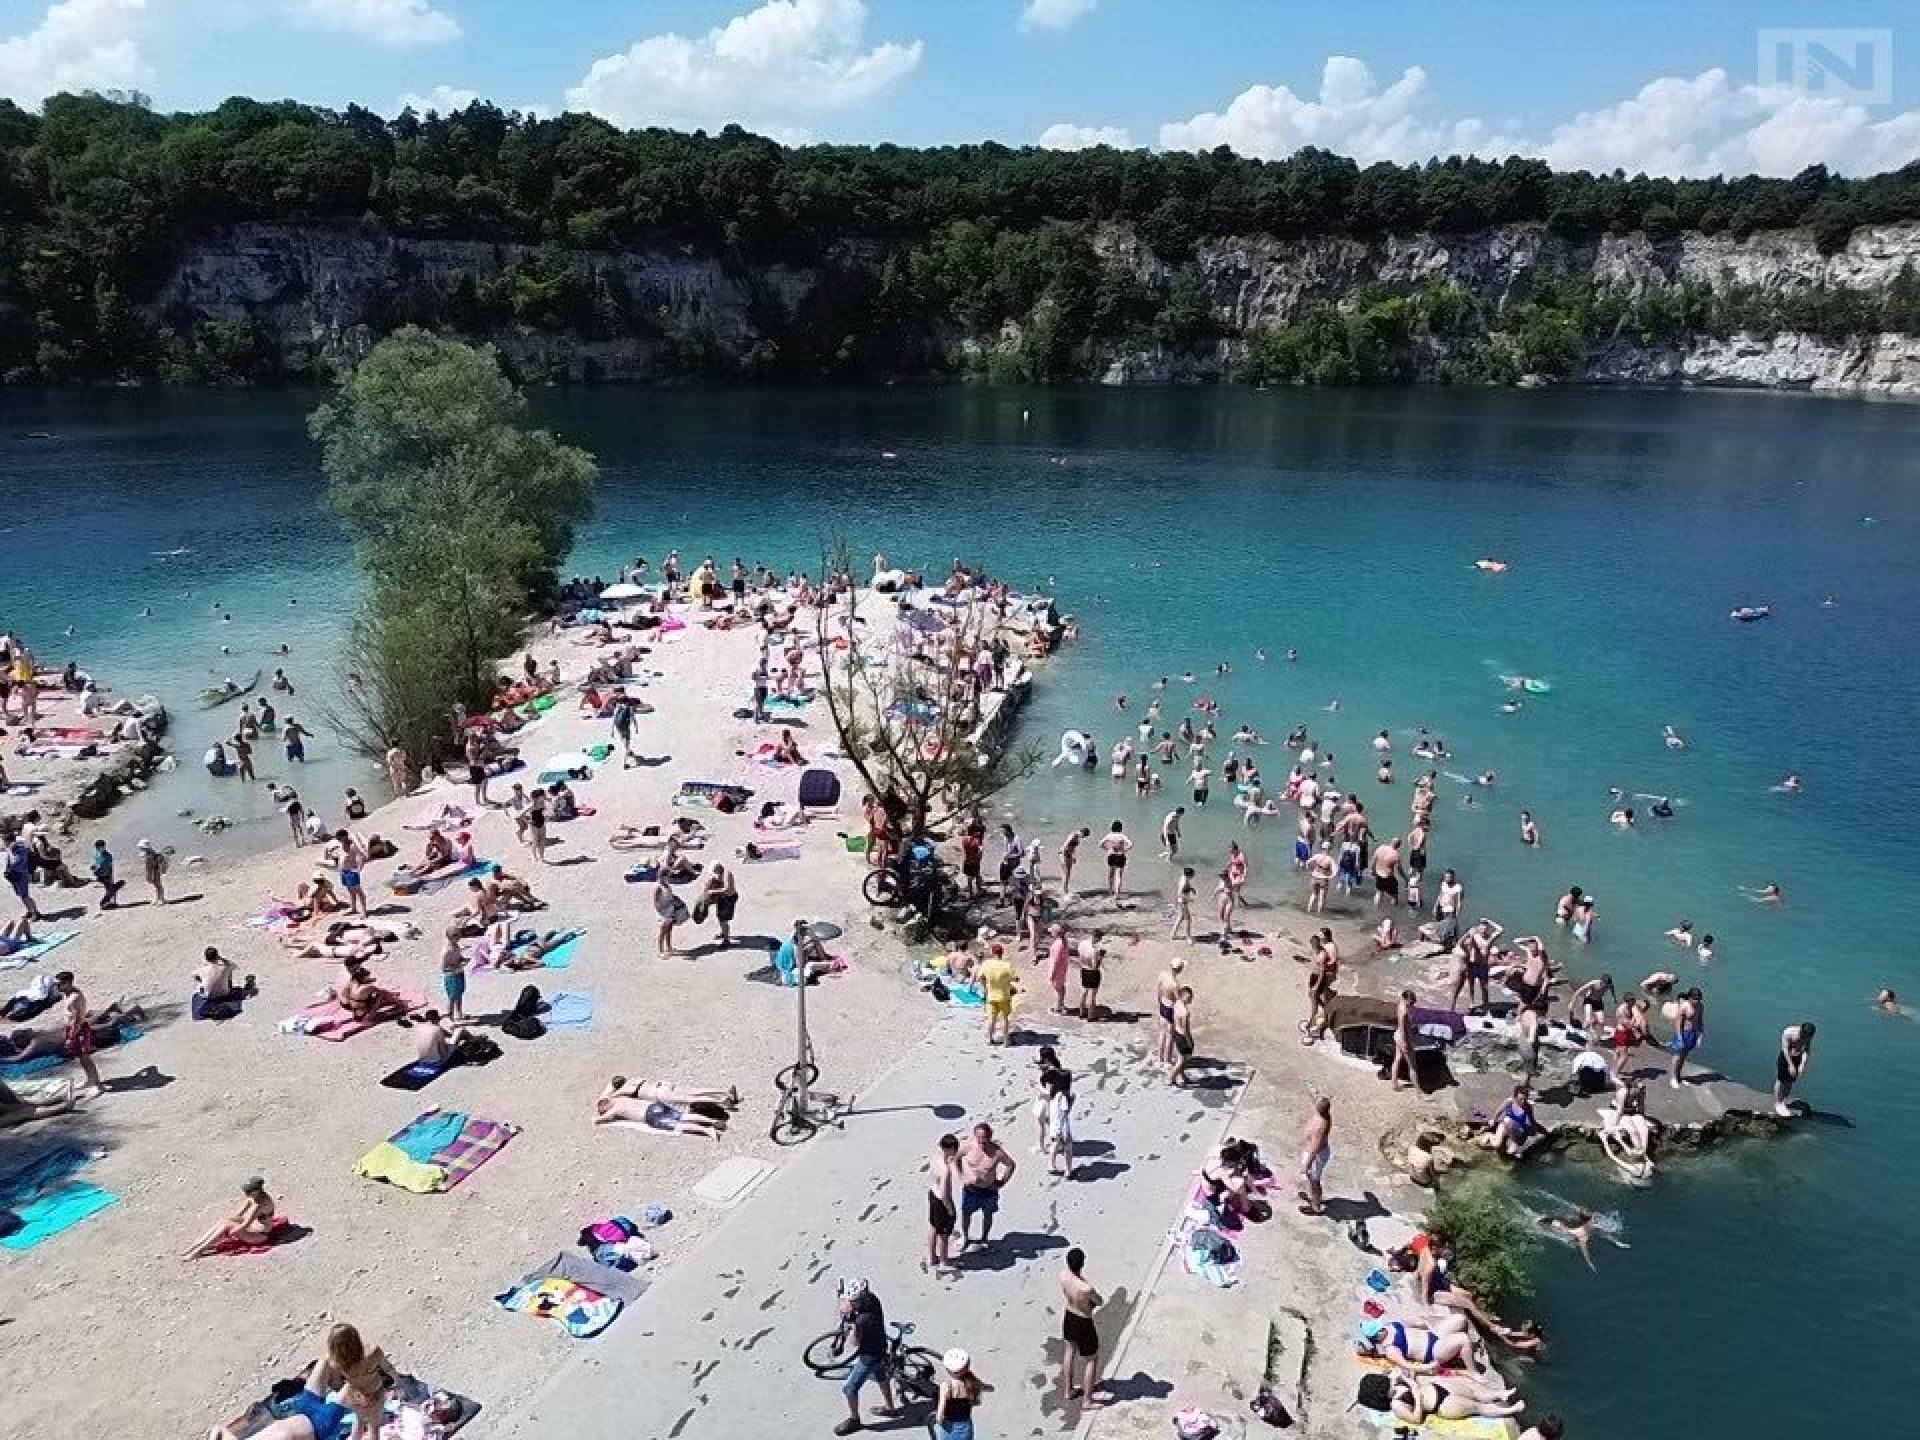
(582,1297)
(329,1020)
(461,1145)
(49,940)
(568,1010)
(45,1198)
(11,1070)
(405,882)
(410,1411)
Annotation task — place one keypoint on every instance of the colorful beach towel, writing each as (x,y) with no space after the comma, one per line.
(575,1293)
(45,1198)
(49,941)
(329,1020)
(413,1411)
(435,1151)
(282,1231)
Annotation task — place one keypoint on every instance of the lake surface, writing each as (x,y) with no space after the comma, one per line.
(1186,528)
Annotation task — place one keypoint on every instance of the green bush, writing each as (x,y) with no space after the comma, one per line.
(1492,1243)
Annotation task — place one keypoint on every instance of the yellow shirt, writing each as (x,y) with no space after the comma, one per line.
(996,982)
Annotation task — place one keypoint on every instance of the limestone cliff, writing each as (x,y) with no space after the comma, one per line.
(316,296)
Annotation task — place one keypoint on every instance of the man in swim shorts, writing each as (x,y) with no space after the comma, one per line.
(1796,1051)
(941,1170)
(985,1168)
(1080,1354)
(1315,1150)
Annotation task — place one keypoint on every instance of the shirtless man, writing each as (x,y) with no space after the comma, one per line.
(1386,872)
(1402,1042)
(1166,993)
(1587,1005)
(985,1168)
(215,997)
(1316,1148)
(1322,976)
(1080,1354)
(78,1039)
(1473,964)
(1796,1053)
(942,1169)
(1181,1035)
(1689,1027)
(1093,958)
(623,1100)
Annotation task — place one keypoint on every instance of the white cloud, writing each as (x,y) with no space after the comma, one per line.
(78,45)
(397,23)
(1055,14)
(1674,125)
(769,69)
(1084,137)
(447,99)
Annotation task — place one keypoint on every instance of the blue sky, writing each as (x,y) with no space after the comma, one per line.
(1671,86)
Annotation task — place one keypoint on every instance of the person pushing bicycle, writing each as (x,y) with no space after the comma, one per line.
(864,1322)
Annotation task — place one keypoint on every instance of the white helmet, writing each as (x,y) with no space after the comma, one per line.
(853,1289)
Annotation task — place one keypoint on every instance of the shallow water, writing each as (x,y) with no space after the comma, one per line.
(1189,527)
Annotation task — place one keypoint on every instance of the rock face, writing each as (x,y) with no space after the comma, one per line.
(319,295)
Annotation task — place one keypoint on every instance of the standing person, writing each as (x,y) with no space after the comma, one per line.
(942,1169)
(154,865)
(1322,977)
(1689,1026)
(1080,1354)
(533,825)
(102,866)
(476,752)
(1225,898)
(1796,1052)
(861,1313)
(353,860)
(623,727)
(295,736)
(1237,872)
(1166,991)
(997,984)
(1315,1150)
(1069,852)
(1198,779)
(453,974)
(1401,1072)
(19,871)
(1058,954)
(77,1040)
(399,772)
(243,755)
(1529,832)
(972,845)
(296,814)
(1116,844)
(960,1390)
(669,909)
(719,897)
(1183,893)
(1057,1086)
(985,1168)
(1092,957)
(1182,1036)
(1386,872)
(1320,872)
(1170,832)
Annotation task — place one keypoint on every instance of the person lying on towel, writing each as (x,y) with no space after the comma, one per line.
(663,1107)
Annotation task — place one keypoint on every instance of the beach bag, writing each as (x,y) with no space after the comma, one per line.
(524,1022)
(1375,1392)
(1268,1407)
(819,790)
(1191,1424)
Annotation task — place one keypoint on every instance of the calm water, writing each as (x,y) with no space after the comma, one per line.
(1186,528)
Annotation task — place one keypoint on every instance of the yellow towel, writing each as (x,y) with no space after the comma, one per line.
(387,1161)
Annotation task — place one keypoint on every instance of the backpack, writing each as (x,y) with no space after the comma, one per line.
(524,1021)
(1376,1392)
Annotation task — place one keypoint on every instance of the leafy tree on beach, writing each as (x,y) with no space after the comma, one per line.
(460,516)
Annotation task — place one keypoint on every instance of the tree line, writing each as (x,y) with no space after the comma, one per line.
(98,194)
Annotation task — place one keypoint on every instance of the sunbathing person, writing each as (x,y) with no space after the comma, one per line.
(511,892)
(16,1109)
(359,996)
(779,815)
(619,1102)
(1625,1133)
(1417,1399)
(318,894)
(362,1378)
(252,1224)
(16,935)
(215,996)
(690,834)
(31,1043)
(1422,1350)
(521,951)
(668,1093)
(787,752)
(802,944)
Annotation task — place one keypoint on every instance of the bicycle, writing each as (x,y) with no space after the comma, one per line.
(914,1369)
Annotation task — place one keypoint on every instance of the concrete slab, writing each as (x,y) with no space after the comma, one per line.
(714,1347)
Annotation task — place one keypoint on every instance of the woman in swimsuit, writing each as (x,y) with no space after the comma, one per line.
(1417,1400)
(362,1379)
(251,1224)
(1423,1351)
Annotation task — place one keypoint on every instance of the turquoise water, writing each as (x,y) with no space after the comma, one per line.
(1186,528)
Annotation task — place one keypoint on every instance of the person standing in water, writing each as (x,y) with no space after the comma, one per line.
(1116,844)
(295,737)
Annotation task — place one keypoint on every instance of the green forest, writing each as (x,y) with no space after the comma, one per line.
(98,195)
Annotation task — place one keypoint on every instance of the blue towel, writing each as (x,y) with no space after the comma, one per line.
(49,940)
(430,1134)
(568,1010)
(561,956)
(21,1185)
(60,1208)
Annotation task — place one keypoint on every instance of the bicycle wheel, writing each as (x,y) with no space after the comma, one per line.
(789,1126)
(789,1078)
(880,888)
(823,1354)
(915,1371)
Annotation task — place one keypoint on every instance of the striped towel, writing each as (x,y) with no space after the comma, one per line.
(478,1142)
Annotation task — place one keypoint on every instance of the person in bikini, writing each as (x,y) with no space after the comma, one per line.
(252,1224)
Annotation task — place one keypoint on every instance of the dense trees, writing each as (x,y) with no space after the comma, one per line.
(98,192)
(460,517)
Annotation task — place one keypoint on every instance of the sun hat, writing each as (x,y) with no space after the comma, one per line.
(955,1361)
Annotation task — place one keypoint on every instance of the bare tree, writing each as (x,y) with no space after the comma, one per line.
(906,700)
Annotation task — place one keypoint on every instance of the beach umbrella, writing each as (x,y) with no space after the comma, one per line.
(623,591)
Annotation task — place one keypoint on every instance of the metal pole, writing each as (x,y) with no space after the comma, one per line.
(803,1102)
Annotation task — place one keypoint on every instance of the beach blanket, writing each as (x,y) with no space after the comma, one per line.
(329,1020)
(45,1198)
(11,1070)
(1211,1256)
(558,958)
(460,1144)
(578,1295)
(405,882)
(49,940)
(1477,1427)
(450,817)
(417,1076)
(282,1230)
(568,1010)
